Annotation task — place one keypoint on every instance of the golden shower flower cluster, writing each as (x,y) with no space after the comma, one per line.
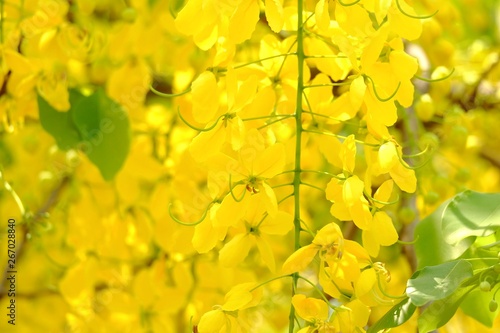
(233,166)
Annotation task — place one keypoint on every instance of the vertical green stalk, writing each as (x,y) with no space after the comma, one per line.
(298,145)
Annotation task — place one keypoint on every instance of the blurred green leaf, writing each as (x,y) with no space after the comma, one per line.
(396,316)
(471,214)
(440,312)
(95,124)
(430,248)
(105,130)
(60,124)
(437,282)
(476,306)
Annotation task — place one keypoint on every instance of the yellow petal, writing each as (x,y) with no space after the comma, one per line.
(322,15)
(328,235)
(238,297)
(360,313)
(405,93)
(235,133)
(352,190)
(370,243)
(333,190)
(342,108)
(354,20)
(270,162)
(230,212)
(206,235)
(269,198)
(279,224)
(213,322)
(310,309)
(357,250)
(406,27)
(372,51)
(207,144)
(300,259)
(357,92)
(204,91)
(404,178)
(274,15)
(329,147)
(384,192)
(206,37)
(266,253)
(340,211)
(17,62)
(336,68)
(243,21)
(184,21)
(403,65)
(235,251)
(384,229)
(348,153)
(387,156)
(366,281)
(361,215)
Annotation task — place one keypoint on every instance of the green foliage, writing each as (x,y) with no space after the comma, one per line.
(430,248)
(464,222)
(60,124)
(471,214)
(441,311)
(95,124)
(396,316)
(437,282)
(476,305)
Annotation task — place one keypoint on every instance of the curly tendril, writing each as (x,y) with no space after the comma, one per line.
(187,224)
(198,128)
(231,187)
(436,80)
(162,94)
(348,4)
(376,93)
(414,16)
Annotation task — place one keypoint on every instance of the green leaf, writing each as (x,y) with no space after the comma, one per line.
(476,306)
(105,132)
(60,124)
(440,312)
(471,214)
(396,316)
(430,248)
(437,282)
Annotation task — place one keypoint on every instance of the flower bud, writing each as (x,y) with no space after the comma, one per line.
(485,286)
(493,305)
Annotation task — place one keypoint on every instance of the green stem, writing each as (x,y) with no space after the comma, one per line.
(264,59)
(321,294)
(341,137)
(298,145)
(270,280)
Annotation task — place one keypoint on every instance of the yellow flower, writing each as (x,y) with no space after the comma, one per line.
(351,317)
(349,202)
(389,161)
(224,319)
(207,20)
(207,108)
(258,225)
(381,232)
(328,242)
(312,310)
